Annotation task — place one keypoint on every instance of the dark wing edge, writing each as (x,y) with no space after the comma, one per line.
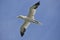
(23,28)
(36,5)
(32,9)
(22,32)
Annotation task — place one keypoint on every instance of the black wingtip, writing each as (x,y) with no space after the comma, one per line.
(22,32)
(38,3)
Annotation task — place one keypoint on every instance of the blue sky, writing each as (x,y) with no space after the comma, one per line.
(48,13)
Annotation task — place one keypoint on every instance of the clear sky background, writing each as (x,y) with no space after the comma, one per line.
(48,13)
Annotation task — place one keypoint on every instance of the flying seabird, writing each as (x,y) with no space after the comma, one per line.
(29,19)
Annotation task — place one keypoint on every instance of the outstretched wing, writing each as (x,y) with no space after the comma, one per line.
(24,27)
(30,15)
(33,10)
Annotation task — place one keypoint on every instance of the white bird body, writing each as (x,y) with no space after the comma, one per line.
(29,18)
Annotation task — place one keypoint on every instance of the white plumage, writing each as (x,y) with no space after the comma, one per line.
(29,18)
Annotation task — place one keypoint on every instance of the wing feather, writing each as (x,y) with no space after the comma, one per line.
(24,27)
(33,10)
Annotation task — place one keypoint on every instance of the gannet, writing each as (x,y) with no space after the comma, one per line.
(29,18)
